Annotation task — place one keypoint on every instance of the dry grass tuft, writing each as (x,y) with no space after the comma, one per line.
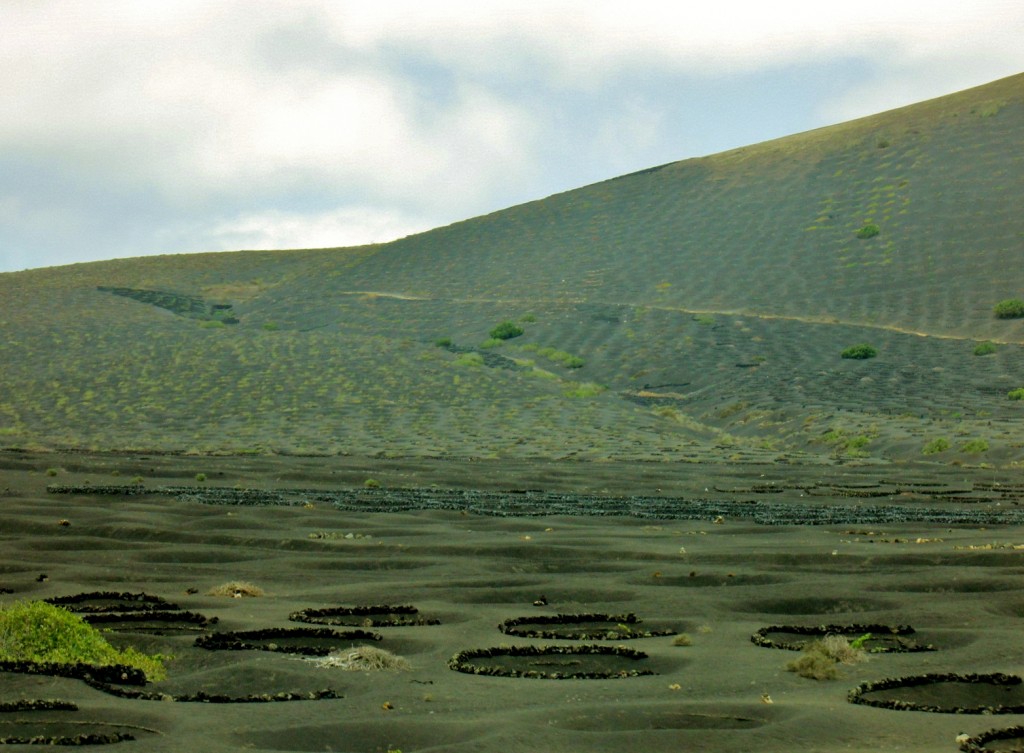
(814,666)
(236,589)
(839,649)
(819,660)
(364,659)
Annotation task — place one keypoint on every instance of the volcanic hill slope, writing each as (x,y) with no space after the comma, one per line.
(692,311)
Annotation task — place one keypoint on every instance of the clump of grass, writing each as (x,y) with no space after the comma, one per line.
(560,356)
(683,639)
(443,342)
(985,348)
(236,589)
(472,360)
(870,230)
(935,446)
(51,471)
(860,351)
(35,631)
(1011,308)
(491,342)
(200,477)
(820,657)
(814,666)
(371,483)
(585,389)
(364,659)
(1017,394)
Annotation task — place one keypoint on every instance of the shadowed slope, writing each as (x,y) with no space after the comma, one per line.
(692,311)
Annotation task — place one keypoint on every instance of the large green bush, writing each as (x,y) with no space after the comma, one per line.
(506,330)
(860,351)
(1011,308)
(35,631)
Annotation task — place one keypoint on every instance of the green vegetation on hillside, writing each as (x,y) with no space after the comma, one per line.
(35,631)
(731,279)
(1011,308)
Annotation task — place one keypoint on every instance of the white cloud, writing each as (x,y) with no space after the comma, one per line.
(201,110)
(347,226)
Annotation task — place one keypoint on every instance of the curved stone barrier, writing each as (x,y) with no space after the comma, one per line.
(619,627)
(464,662)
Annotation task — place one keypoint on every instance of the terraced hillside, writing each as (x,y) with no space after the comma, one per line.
(693,311)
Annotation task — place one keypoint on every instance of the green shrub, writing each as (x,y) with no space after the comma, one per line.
(704,319)
(506,331)
(937,445)
(371,483)
(443,342)
(51,471)
(1017,394)
(974,446)
(200,477)
(492,342)
(985,348)
(35,631)
(528,317)
(870,230)
(1011,308)
(861,351)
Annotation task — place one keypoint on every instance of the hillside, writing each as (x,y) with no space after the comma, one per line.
(693,311)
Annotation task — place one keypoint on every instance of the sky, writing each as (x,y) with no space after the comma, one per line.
(139,127)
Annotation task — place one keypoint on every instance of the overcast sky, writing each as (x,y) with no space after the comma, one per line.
(140,127)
